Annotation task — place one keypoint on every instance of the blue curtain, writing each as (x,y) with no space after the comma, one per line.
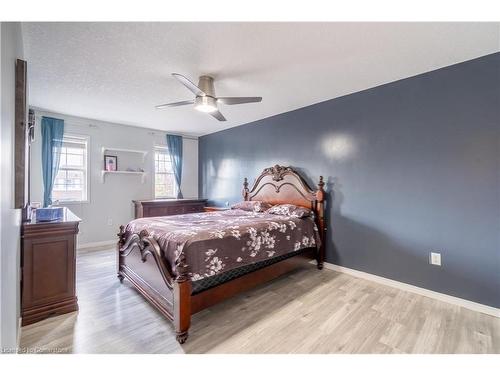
(174,144)
(52,137)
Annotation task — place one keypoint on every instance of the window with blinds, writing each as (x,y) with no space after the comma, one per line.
(71,182)
(165,186)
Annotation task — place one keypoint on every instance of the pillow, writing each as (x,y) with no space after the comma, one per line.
(255,206)
(289,210)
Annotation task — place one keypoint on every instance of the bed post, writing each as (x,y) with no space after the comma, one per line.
(245,189)
(182,302)
(121,242)
(320,209)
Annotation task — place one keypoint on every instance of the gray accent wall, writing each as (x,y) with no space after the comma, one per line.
(411,167)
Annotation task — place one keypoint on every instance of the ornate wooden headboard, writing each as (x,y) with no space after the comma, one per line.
(279,185)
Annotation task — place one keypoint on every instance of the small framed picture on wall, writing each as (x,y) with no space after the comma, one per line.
(110,163)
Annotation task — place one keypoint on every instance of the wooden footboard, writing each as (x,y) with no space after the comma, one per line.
(140,260)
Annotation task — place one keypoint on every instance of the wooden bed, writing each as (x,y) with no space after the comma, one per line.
(140,258)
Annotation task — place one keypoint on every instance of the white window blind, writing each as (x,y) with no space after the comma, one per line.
(71,183)
(165,186)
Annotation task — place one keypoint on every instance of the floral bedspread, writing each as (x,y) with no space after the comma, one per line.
(215,242)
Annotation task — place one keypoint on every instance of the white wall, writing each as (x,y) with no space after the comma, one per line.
(111,201)
(12,49)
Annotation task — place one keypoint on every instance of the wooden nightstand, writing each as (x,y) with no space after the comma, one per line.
(212,209)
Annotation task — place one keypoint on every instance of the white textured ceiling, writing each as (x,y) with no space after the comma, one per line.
(118,72)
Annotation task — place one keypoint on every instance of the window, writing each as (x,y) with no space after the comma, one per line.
(71,183)
(165,186)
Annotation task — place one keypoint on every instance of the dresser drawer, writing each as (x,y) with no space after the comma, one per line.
(174,210)
(193,208)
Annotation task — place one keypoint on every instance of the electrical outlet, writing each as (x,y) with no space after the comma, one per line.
(110,221)
(435,259)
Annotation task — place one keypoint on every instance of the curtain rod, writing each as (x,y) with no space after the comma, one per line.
(90,124)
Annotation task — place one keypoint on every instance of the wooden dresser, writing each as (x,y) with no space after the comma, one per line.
(167,207)
(48,268)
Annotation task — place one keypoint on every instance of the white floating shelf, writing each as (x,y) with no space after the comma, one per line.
(142,174)
(113,149)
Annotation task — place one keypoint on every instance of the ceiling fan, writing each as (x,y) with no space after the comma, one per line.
(205,100)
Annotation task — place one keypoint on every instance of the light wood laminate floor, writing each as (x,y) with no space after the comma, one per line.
(307,311)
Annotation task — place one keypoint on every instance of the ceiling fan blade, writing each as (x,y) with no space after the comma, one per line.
(218,115)
(176,104)
(239,99)
(190,85)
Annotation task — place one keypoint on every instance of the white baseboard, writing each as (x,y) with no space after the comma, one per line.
(88,245)
(485,309)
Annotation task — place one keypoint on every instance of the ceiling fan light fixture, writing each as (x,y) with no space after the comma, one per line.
(205,99)
(205,104)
